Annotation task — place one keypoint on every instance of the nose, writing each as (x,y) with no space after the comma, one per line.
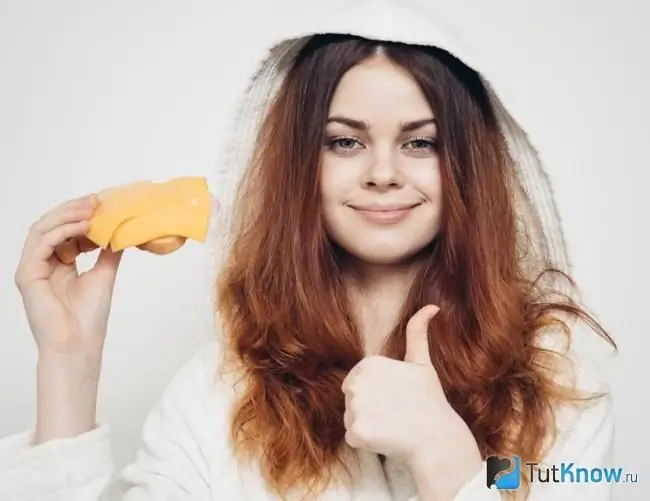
(383,172)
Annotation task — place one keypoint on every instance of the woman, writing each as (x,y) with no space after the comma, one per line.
(392,299)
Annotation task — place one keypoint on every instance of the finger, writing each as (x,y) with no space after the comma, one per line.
(68,212)
(42,256)
(371,363)
(86,245)
(417,336)
(350,423)
(351,376)
(108,262)
(347,415)
(353,439)
(44,247)
(68,251)
(163,245)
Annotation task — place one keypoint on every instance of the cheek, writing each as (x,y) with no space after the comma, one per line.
(336,188)
(337,182)
(328,185)
(430,183)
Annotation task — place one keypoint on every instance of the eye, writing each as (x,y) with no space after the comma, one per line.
(343,144)
(422,143)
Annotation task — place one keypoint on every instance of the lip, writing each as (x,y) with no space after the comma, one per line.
(385,213)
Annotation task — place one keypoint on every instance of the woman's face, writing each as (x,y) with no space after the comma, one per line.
(380,180)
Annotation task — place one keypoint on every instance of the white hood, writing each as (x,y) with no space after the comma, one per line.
(400,21)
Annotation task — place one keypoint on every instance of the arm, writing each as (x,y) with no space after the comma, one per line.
(169,465)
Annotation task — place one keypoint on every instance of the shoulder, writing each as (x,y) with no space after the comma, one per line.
(585,430)
(196,402)
(200,367)
(198,381)
(184,441)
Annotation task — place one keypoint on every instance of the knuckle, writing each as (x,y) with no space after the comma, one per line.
(43,218)
(18,279)
(353,439)
(38,225)
(50,238)
(351,387)
(347,415)
(361,430)
(356,406)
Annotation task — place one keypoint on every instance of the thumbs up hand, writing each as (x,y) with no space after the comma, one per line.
(398,408)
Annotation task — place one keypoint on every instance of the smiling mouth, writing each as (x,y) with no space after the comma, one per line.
(384,208)
(384,214)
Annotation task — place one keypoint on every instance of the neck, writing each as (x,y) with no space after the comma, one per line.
(377,293)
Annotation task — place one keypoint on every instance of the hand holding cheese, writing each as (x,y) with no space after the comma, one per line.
(68,311)
(153,217)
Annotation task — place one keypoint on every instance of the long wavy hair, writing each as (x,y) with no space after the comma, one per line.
(287,322)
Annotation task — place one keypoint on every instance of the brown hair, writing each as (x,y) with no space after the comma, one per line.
(284,307)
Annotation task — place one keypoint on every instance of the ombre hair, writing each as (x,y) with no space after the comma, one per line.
(285,310)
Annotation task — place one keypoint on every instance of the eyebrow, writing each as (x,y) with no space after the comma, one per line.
(361,125)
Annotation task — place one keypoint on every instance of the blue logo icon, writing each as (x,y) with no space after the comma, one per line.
(504,473)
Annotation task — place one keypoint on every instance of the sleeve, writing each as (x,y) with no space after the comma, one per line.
(170,463)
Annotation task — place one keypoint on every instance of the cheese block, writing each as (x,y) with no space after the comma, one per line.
(134,214)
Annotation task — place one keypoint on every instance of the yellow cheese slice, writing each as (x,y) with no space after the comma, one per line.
(188,218)
(136,213)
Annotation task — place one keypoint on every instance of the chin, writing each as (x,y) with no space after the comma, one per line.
(382,254)
(388,247)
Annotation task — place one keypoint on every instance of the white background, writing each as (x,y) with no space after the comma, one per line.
(99,93)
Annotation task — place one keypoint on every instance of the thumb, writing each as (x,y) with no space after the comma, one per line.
(417,336)
(108,262)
